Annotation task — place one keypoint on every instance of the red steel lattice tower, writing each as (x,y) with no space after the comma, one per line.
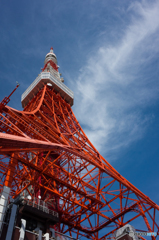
(44,151)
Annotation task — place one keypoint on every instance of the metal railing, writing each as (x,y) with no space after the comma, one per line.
(39,204)
(58,235)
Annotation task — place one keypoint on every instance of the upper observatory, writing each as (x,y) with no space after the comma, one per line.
(50,76)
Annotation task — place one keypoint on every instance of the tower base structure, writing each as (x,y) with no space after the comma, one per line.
(31,219)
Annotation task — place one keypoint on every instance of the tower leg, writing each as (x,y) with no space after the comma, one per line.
(6,189)
(40,235)
(52,232)
(3,204)
(11,222)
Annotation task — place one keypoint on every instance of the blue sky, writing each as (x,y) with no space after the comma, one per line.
(108,53)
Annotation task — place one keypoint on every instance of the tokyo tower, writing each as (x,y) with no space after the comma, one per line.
(47,160)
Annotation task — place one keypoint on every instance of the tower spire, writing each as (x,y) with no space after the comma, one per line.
(50,75)
(51,57)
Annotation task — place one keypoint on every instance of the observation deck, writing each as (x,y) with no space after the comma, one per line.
(44,78)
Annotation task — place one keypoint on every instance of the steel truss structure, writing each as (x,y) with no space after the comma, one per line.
(44,147)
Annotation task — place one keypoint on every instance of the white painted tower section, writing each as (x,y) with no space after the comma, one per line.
(51,76)
(3,204)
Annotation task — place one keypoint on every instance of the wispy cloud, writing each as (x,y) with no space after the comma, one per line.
(115,86)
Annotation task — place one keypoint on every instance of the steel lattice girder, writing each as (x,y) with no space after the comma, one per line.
(46,142)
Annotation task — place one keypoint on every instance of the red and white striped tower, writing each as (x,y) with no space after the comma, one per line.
(45,152)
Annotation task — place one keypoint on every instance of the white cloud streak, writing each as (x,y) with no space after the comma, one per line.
(111,90)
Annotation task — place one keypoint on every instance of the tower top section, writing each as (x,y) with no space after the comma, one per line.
(51,76)
(50,56)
